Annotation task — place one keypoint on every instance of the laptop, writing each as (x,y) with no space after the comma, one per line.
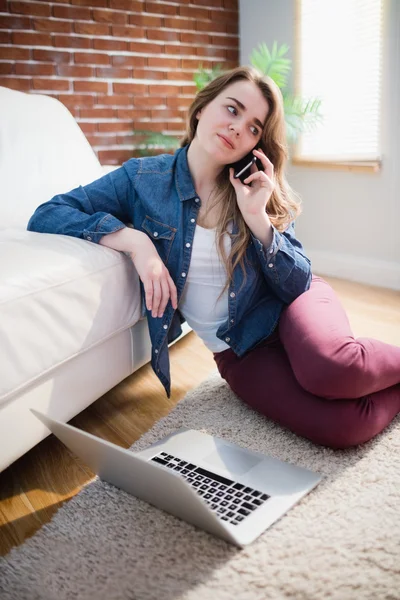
(218,486)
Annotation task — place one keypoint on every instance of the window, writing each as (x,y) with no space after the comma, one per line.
(339,60)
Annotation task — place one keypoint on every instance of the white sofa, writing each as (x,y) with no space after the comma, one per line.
(70,310)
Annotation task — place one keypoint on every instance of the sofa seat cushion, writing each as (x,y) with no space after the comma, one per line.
(59,296)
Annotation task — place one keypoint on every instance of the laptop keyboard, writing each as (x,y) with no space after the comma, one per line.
(230,500)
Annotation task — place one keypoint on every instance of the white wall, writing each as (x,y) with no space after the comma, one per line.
(350,226)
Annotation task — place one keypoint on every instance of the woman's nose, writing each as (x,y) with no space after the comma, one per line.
(235,129)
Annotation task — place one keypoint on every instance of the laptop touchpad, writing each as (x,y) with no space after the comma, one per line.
(234,460)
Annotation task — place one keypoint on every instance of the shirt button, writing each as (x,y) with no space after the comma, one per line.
(183,274)
(156,351)
(232,320)
(192,220)
(155,234)
(187,245)
(232,294)
(227,339)
(165,326)
(271,251)
(270,265)
(89,238)
(197,199)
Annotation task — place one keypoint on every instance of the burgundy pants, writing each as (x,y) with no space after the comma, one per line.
(313,377)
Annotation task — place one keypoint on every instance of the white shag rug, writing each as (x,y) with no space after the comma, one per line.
(341,542)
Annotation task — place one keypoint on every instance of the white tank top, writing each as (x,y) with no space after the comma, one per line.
(204,283)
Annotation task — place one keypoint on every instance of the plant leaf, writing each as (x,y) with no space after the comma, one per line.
(204,76)
(272,63)
(301,114)
(156,141)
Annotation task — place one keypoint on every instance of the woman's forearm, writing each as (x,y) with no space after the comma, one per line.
(124,240)
(260,226)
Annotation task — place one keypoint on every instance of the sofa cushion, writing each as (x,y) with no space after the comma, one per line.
(59,296)
(43,152)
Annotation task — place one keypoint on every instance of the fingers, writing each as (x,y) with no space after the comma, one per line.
(148,292)
(158,285)
(261,177)
(173,292)
(267,164)
(157,295)
(158,291)
(164,297)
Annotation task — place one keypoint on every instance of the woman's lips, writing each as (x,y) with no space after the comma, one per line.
(226,141)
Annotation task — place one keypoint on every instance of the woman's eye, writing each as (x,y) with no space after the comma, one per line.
(254,130)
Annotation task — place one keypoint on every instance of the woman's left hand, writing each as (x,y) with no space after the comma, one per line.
(253,199)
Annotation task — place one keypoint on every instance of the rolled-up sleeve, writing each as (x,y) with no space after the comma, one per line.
(91,211)
(285,265)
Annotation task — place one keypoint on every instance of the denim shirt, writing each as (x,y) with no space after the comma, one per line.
(157,196)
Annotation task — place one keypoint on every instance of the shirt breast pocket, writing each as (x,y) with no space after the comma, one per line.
(161,234)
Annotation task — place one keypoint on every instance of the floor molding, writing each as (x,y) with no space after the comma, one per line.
(363,269)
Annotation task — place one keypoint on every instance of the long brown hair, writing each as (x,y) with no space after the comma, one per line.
(284,204)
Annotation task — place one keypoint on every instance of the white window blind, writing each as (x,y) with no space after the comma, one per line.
(339,50)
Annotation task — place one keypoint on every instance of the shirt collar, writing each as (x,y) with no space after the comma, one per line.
(184,181)
(183,178)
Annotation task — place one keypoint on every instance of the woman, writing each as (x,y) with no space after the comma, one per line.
(224,251)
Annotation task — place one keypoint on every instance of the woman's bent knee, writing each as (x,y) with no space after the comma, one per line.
(332,380)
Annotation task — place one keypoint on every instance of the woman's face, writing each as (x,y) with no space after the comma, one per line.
(230,126)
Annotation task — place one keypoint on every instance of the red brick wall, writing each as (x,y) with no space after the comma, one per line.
(118,65)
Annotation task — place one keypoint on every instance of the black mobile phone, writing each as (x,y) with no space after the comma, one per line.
(242,168)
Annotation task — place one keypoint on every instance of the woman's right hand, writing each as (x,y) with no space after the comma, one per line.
(157,282)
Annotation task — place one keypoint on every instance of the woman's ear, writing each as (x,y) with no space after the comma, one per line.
(198,114)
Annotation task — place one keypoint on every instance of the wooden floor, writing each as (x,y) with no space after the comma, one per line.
(27,496)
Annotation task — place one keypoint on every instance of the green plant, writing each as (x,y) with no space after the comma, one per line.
(204,76)
(153,141)
(301,114)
